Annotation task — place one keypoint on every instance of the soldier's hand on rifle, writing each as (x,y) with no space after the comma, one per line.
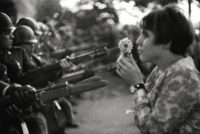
(21,96)
(14,112)
(65,64)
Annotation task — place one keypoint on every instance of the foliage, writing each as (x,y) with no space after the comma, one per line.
(165,2)
(47,8)
(102,10)
(9,7)
(144,3)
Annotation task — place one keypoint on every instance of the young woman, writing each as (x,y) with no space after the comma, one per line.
(168,102)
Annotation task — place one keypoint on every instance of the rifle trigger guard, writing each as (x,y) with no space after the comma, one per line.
(50,84)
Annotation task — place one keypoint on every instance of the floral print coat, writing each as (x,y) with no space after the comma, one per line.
(172,102)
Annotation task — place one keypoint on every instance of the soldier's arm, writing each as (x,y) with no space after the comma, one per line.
(27,65)
(32,73)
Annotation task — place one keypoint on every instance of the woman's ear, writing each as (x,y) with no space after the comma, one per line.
(167,45)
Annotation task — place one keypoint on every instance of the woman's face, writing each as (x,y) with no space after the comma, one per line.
(148,50)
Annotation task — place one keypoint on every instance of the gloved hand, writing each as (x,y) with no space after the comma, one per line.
(14,112)
(65,64)
(21,96)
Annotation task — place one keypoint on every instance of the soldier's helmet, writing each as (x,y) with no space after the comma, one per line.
(44,28)
(30,22)
(24,35)
(5,22)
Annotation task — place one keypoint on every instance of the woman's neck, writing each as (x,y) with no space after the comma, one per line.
(167,60)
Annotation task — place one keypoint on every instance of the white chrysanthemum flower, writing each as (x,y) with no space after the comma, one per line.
(125,45)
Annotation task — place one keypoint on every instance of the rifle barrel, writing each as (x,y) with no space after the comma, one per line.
(91,79)
(94,54)
(75,77)
(70,90)
(88,86)
(61,85)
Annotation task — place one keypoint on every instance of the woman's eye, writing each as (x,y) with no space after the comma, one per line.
(145,34)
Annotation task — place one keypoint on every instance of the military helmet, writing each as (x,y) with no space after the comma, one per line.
(30,22)
(5,22)
(24,35)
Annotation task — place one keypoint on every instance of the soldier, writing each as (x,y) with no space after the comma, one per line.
(24,37)
(15,112)
(11,57)
(168,103)
(30,22)
(17,61)
(42,45)
(47,43)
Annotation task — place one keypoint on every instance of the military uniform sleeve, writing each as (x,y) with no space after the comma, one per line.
(3,85)
(39,76)
(3,100)
(171,107)
(3,74)
(26,61)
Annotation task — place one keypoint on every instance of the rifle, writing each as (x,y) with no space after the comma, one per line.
(76,60)
(65,89)
(77,76)
(32,74)
(62,53)
(94,54)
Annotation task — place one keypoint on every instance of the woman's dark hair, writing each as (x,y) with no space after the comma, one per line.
(170,25)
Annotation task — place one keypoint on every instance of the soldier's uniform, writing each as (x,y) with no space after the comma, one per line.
(12,58)
(59,113)
(35,121)
(22,70)
(17,63)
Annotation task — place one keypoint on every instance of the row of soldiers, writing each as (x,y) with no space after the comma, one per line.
(19,63)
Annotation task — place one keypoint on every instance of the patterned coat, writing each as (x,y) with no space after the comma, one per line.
(173,101)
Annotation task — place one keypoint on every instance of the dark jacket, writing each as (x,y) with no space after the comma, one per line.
(22,70)
(35,121)
(3,74)
(3,83)
(16,62)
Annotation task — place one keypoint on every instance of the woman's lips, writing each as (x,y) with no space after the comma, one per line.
(140,51)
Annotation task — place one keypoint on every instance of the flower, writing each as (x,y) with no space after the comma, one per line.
(125,45)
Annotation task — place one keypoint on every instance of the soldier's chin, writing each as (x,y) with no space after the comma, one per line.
(10,46)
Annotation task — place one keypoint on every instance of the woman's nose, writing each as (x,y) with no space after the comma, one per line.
(139,41)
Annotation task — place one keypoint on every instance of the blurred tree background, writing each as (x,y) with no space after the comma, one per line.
(99,24)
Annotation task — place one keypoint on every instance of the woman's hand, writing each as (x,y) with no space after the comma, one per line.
(128,70)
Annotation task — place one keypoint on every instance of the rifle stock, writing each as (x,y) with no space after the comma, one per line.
(49,95)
